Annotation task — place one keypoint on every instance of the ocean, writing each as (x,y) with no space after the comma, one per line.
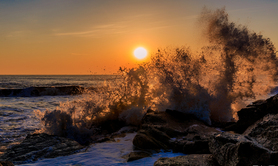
(18,118)
(236,67)
(17,109)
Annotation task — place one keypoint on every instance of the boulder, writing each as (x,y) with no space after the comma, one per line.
(173,130)
(157,129)
(235,150)
(136,156)
(151,138)
(38,146)
(265,132)
(195,141)
(254,112)
(188,160)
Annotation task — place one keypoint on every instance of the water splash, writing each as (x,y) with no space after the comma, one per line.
(212,84)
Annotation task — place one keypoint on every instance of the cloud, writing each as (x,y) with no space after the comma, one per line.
(18,33)
(104,29)
(140,22)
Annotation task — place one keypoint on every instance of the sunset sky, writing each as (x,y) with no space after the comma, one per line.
(99,36)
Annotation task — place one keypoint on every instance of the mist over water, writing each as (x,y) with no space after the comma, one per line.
(213,83)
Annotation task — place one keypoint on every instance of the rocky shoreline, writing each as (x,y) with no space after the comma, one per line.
(252,140)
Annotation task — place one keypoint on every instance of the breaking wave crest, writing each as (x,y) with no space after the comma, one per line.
(211,84)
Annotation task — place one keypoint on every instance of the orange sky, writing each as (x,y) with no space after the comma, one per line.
(97,37)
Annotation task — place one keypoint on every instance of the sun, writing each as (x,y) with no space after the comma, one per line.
(140,53)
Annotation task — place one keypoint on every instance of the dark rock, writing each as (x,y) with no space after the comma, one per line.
(196,141)
(110,126)
(158,128)
(42,91)
(196,147)
(110,137)
(236,150)
(252,113)
(6,163)
(172,122)
(38,146)
(188,160)
(222,125)
(265,131)
(136,156)
(151,138)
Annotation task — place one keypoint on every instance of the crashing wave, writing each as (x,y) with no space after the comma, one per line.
(211,84)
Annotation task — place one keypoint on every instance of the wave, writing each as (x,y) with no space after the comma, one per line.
(212,84)
(43,91)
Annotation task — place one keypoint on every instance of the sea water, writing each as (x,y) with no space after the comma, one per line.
(236,67)
(107,154)
(17,119)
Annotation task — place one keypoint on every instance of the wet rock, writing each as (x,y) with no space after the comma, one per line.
(235,150)
(158,128)
(265,131)
(191,146)
(136,156)
(151,138)
(196,141)
(188,160)
(38,146)
(254,112)
(99,138)
(173,130)
(6,163)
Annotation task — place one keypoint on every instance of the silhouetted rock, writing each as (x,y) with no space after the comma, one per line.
(42,91)
(195,141)
(6,163)
(252,113)
(188,160)
(38,146)
(151,138)
(265,131)
(104,136)
(136,155)
(173,130)
(236,150)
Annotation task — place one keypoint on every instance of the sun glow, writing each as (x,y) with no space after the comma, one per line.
(140,52)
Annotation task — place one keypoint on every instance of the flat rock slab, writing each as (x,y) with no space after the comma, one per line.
(188,160)
(38,146)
